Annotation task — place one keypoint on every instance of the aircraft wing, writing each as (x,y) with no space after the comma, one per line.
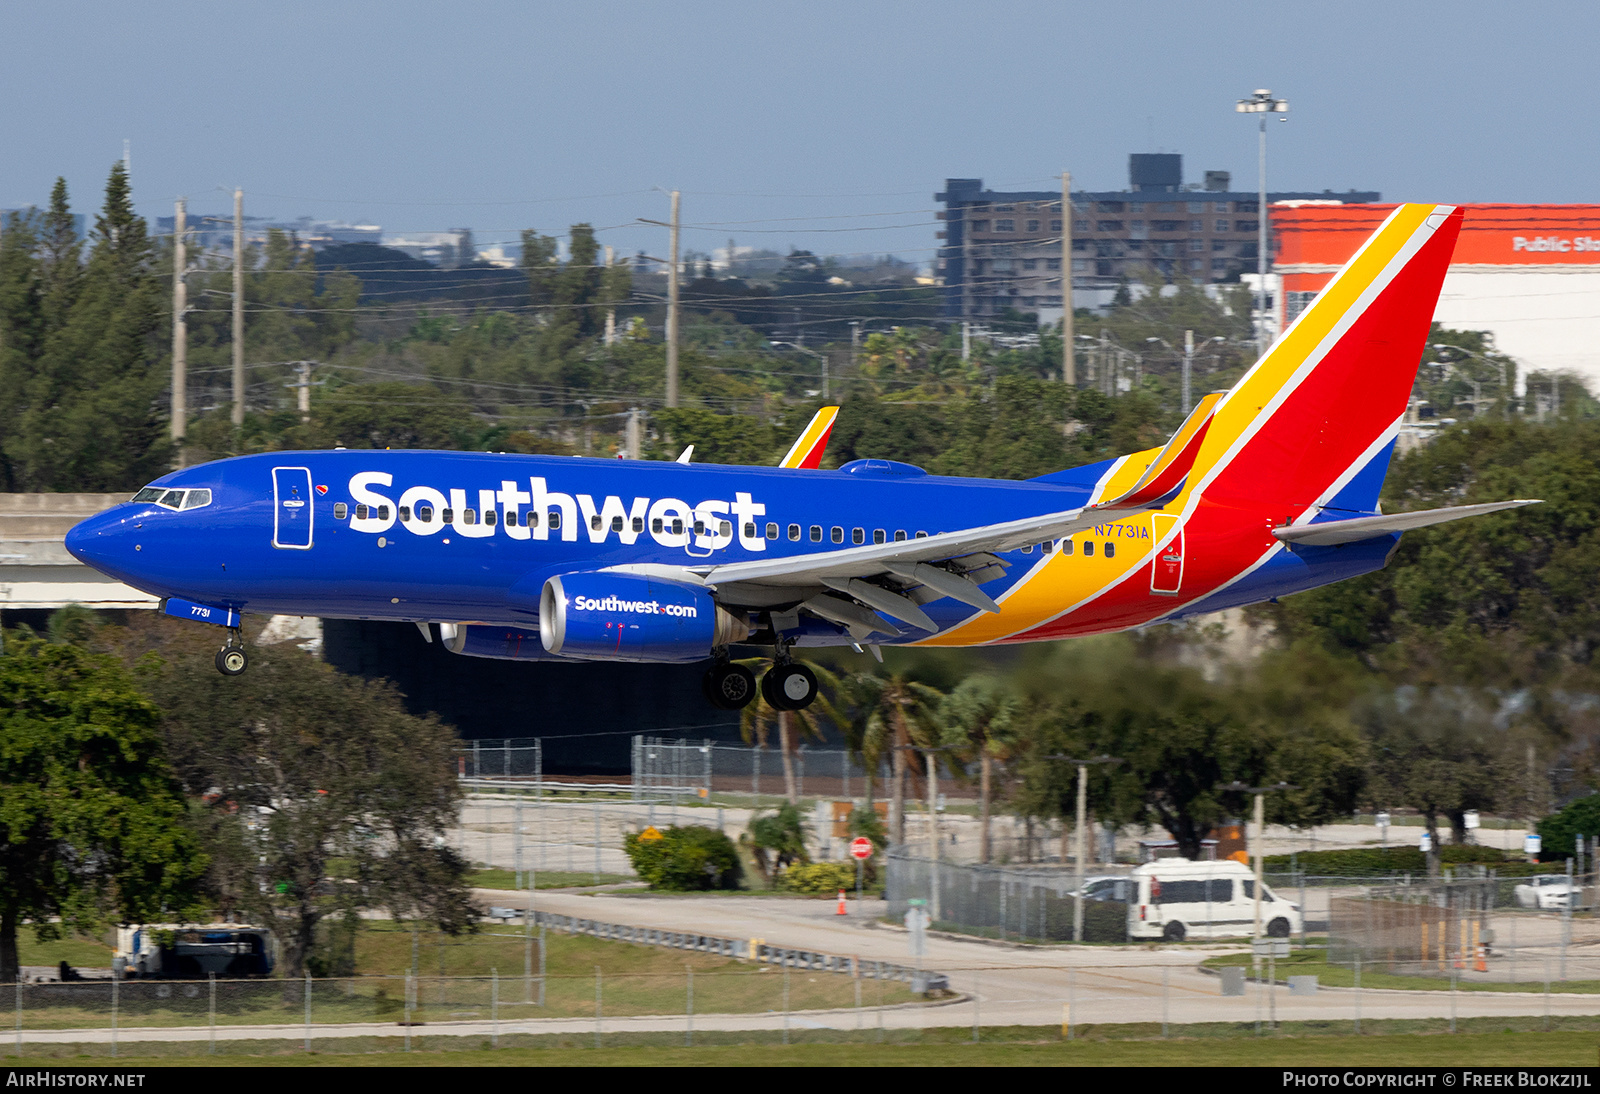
(1331,533)
(892,577)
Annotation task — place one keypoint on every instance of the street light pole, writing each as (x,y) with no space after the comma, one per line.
(1256,847)
(1082,823)
(1262,103)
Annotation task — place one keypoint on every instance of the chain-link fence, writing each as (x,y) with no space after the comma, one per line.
(770,1000)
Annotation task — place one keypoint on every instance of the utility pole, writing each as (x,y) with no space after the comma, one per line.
(1188,366)
(238,308)
(180,330)
(966,340)
(632,445)
(672,310)
(1069,370)
(611,305)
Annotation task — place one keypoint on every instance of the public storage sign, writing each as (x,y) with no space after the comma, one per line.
(1321,238)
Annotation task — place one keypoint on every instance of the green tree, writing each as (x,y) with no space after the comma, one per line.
(1439,751)
(758,716)
(324,797)
(91,821)
(978,719)
(776,840)
(90,418)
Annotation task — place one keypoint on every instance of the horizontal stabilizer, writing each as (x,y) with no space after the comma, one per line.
(1330,533)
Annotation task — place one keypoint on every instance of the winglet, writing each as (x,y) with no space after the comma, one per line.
(813,441)
(1165,477)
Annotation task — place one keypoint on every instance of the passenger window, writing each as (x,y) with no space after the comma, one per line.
(1066,546)
(794,533)
(878,535)
(816,533)
(616,524)
(1088,548)
(1111,550)
(838,534)
(490,517)
(425,513)
(361,512)
(900,535)
(469,516)
(555,520)
(922,535)
(858,535)
(383,513)
(725,529)
(532,519)
(699,527)
(447,515)
(638,524)
(677,527)
(655,526)
(1028,550)
(340,509)
(594,522)
(772,530)
(749,530)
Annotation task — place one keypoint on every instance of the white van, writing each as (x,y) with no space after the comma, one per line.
(1176,899)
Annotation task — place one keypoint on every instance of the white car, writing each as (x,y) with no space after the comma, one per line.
(1546,892)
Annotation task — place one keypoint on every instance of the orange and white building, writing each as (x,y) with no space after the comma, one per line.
(1528,274)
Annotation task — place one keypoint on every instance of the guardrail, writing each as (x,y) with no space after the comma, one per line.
(753,949)
(549,789)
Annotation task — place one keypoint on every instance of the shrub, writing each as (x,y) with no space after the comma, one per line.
(1380,861)
(825,878)
(685,858)
(1558,831)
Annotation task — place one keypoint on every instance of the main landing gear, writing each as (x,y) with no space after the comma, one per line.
(785,686)
(232,659)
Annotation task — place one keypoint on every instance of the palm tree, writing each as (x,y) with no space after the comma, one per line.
(759,715)
(894,715)
(979,717)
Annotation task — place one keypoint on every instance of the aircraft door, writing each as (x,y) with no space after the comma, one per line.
(1166,573)
(291,508)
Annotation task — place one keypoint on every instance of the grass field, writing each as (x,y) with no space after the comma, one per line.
(1310,962)
(77,952)
(1030,1047)
(496,878)
(454,983)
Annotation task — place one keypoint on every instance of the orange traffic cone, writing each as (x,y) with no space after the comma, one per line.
(1482,965)
(841,910)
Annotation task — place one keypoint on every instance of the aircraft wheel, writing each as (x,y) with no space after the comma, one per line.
(232,660)
(1174,932)
(728,686)
(789,686)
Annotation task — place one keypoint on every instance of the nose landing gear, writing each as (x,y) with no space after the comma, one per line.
(232,659)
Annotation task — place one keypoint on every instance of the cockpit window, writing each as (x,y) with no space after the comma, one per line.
(174,499)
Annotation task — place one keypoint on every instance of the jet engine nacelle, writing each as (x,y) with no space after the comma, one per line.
(500,643)
(632,617)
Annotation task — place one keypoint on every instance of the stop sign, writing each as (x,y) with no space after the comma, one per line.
(861,847)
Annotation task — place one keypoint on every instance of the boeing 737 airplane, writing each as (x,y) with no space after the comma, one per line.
(1267,489)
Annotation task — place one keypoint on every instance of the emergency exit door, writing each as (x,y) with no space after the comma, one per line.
(1166,573)
(291,508)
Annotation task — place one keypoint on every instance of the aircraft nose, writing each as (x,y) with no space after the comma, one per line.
(93,541)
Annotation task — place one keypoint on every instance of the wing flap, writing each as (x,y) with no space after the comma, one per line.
(1331,533)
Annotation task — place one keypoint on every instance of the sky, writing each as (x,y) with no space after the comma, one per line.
(827,126)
